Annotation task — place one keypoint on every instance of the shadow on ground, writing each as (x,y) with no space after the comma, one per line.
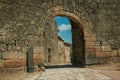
(62,66)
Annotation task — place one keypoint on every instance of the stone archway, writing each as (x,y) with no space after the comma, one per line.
(83,35)
(22,24)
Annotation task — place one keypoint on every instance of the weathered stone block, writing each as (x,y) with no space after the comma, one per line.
(22,56)
(36,62)
(18,48)
(115,59)
(101,6)
(3,47)
(90,47)
(2,63)
(102,60)
(0,55)
(11,47)
(13,63)
(99,54)
(90,43)
(90,38)
(105,48)
(91,55)
(106,54)
(119,52)
(91,61)
(2,31)
(24,49)
(10,55)
(24,62)
(35,55)
(115,53)
(38,49)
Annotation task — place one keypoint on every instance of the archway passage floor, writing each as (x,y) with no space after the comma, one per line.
(73,74)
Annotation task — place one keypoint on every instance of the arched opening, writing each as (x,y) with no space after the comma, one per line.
(64,39)
(78,44)
(52,43)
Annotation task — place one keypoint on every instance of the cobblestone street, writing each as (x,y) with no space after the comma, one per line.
(72,74)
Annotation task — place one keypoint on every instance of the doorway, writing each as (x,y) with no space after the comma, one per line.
(77,51)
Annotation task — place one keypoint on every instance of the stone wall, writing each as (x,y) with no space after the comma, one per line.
(64,52)
(61,51)
(68,53)
(22,24)
(51,42)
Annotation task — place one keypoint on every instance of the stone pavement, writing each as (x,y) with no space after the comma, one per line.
(72,74)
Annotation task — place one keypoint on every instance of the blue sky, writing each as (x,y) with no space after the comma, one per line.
(64,28)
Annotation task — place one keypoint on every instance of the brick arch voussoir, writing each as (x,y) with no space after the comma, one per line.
(61,10)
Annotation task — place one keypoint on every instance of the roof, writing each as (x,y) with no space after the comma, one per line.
(67,44)
(59,38)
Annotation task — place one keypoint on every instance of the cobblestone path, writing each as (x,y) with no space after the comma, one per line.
(72,74)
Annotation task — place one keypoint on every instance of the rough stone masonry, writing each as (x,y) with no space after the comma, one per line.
(23,23)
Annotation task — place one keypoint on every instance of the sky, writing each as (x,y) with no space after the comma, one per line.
(64,28)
